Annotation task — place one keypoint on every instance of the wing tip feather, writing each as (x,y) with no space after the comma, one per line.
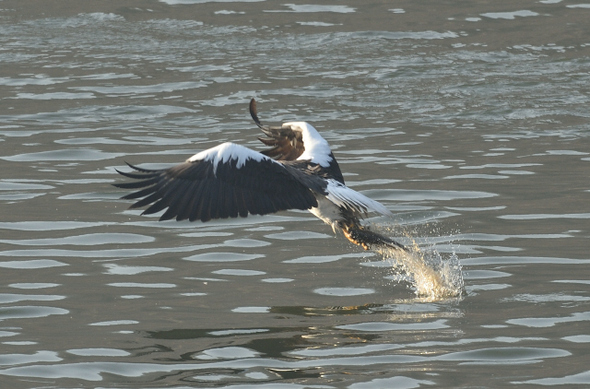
(254,112)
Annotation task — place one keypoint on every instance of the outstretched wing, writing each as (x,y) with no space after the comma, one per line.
(287,145)
(225,181)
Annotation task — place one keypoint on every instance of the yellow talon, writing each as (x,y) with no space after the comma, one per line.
(350,235)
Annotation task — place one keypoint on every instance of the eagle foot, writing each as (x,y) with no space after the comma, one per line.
(367,239)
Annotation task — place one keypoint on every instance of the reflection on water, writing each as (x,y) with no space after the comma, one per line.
(470,123)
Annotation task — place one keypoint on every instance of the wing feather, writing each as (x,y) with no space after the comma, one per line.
(168,194)
(287,144)
(225,181)
(196,200)
(188,200)
(347,198)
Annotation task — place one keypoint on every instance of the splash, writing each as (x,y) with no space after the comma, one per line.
(432,276)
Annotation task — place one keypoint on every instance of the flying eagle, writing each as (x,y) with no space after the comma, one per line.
(299,171)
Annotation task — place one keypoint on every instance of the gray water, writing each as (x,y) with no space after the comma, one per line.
(470,122)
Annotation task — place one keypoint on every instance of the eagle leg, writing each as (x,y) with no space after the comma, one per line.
(368,239)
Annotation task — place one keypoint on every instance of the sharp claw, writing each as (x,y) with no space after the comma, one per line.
(364,238)
(351,233)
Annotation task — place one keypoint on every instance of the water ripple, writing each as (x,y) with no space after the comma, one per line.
(386,326)
(344,291)
(28,312)
(505,355)
(63,155)
(470,123)
(83,240)
(31,264)
(539,322)
(222,257)
(20,359)
(15,298)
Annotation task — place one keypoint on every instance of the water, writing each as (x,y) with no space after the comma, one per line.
(470,123)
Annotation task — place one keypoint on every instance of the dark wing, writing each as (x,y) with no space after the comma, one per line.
(225,181)
(287,145)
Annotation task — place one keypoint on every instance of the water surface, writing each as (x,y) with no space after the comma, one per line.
(469,122)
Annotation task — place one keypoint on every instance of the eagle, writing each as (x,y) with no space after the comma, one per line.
(297,171)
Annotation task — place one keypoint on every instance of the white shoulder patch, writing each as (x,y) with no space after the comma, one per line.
(317,148)
(226,152)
